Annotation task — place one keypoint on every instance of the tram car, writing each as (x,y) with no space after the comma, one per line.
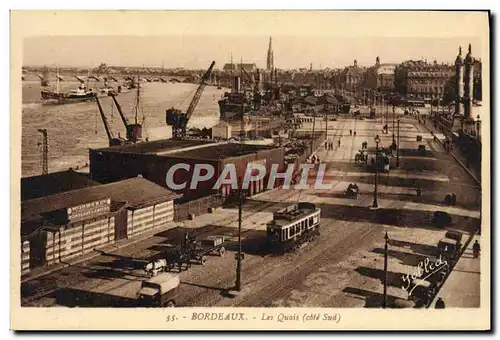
(293,227)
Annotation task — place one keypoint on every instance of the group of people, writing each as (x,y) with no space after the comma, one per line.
(448,145)
(364,145)
(315,159)
(451,199)
(329,145)
(350,132)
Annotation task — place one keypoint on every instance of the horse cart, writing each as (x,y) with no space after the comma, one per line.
(212,245)
(190,251)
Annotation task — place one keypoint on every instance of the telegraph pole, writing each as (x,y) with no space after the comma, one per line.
(45,151)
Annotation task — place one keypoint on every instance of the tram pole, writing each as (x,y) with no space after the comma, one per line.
(238,257)
(375,203)
(397,154)
(386,253)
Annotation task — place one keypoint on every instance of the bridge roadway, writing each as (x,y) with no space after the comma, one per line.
(342,268)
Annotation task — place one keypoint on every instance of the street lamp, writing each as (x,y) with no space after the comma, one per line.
(397,152)
(386,251)
(478,125)
(375,203)
(393,125)
(239,256)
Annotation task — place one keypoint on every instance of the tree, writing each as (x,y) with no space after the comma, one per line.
(449,91)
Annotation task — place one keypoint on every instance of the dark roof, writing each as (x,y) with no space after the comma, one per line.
(135,192)
(328,100)
(54,183)
(310,100)
(154,147)
(221,151)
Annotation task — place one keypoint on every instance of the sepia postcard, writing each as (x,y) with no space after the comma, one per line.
(250,170)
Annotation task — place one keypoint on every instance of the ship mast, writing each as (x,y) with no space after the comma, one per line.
(137,99)
(57,77)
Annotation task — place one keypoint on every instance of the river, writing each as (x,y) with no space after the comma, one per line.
(74,128)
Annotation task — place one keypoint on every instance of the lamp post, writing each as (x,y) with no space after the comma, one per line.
(478,126)
(393,125)
(375,203)
(397,150)
(239,255)
(386,251)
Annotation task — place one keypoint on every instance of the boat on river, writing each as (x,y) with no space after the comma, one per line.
(80,94)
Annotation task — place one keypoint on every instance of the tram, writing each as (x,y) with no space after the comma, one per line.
(293,227)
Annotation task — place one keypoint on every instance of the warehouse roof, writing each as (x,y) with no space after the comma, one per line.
(221,151)
(54,183)
(154,147)
(136,192)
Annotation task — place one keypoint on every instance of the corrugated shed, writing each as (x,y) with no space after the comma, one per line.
(136,192)
(54,183)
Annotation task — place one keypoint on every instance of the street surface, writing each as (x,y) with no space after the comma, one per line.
(342,268)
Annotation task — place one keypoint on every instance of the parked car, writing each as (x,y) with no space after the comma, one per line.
(441,219)
(448,248)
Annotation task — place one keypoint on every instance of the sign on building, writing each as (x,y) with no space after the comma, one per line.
(88,210)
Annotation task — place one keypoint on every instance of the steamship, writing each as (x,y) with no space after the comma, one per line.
(238,102)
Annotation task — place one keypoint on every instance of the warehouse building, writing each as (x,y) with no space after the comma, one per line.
(58,227)
(54,183)
(153,162)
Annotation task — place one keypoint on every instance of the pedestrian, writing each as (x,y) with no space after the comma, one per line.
(339,143)
(350,132)
(476,248)
(453,199)
(326,145)
(331,145)
(354,133)
(439,304)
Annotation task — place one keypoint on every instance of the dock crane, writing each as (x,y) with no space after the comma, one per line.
(112,140)
(133,131)
(179,120)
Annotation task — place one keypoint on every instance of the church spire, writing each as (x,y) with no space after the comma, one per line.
(270,55)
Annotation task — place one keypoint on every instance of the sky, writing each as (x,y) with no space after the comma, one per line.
(193,39)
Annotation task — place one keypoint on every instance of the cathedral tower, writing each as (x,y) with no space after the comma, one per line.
(270,55)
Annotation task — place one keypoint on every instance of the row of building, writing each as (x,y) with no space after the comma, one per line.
(413,79)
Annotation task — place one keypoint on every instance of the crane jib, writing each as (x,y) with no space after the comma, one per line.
(199,91)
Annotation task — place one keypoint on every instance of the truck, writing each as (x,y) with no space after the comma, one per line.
(159,291)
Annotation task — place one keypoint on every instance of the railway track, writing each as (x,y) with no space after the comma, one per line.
(263,296)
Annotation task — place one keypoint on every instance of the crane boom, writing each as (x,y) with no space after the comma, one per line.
(248,77)
(124,119)
(199,91)
(104,120)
